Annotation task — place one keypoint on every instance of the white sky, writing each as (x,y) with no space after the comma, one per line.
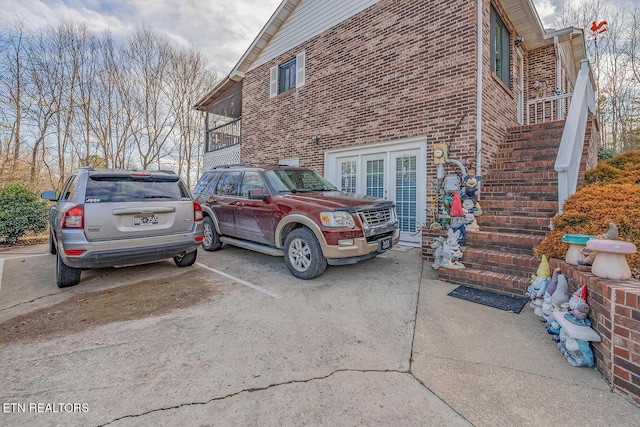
(222,29)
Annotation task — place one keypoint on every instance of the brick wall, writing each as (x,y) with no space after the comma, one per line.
(399,69)
(615,314)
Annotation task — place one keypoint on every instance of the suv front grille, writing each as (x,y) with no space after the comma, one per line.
(375,217)
(378,223)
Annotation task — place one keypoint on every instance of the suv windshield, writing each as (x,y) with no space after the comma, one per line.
(297,180)
(101,189)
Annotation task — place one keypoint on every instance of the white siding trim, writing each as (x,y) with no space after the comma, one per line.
(300,65)
(308,19)
(273,81)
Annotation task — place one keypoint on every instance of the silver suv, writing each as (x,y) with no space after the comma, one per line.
(114,218)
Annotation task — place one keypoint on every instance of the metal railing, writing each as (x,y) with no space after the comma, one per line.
(548,109)
(223,136)
(571,145)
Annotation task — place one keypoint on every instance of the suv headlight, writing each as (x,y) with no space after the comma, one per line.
(339,219)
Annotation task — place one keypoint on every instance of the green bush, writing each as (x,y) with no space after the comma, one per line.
(21,211)
(611,193)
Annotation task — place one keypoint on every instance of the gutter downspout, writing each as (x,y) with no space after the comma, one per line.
(479,97)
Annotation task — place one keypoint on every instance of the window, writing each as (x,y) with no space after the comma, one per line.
(500,48)
(251,181)
(228,184)
(288,75)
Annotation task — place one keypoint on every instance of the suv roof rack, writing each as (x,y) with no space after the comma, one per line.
(233,165)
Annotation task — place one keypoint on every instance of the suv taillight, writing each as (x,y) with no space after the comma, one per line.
(74,217)
(197,212)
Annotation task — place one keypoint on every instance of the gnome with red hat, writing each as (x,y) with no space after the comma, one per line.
(458,220)
(579,307)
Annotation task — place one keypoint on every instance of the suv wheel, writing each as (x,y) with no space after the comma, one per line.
(186,260)
(66,276)
(303,254)
(211,241)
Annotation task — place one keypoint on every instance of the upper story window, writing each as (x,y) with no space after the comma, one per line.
(288,75)
(287,72)
(500,48)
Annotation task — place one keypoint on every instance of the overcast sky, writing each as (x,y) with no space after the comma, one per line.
(222,29)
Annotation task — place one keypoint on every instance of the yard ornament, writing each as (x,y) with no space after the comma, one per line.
(458,220)
(539,283)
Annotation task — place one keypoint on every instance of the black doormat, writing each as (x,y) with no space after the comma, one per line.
(492,299)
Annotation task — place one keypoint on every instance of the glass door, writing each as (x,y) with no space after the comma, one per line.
(374,175)
(404,191)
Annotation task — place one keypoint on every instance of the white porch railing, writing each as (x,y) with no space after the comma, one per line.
(548,109)
(572,142)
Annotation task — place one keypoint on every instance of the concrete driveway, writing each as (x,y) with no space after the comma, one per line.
(377,343)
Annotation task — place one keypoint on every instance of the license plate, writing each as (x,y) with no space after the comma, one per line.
(145,219)
(385,244)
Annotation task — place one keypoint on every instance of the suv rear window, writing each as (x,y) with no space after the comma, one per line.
(102,189)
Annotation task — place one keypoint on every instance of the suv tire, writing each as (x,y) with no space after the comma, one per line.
(52,244)
(303,254)
(186,260)
(66,276)
(211,241)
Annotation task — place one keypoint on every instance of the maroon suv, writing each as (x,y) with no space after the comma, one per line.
(293,212)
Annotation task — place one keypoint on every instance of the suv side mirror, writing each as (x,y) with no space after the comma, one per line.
(258,195)
(49,195)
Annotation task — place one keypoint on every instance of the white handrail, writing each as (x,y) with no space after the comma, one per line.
(556,106)
(572,142)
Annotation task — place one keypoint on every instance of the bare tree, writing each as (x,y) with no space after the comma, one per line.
(188,79)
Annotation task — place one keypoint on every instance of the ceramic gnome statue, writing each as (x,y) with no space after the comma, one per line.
(576,332)
(539,284)
(450,250)
(547,303)
(470,205)
(458,220)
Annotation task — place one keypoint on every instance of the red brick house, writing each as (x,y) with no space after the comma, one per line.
(361,90)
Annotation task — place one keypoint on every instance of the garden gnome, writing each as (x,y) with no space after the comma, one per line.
(458,219)
(450,250)
(579,308)
(539,284)
(547,304)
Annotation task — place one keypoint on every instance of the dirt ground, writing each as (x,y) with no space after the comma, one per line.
(92,309)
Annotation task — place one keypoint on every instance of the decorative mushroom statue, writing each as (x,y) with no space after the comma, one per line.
(610,261)
(588,255)
(576,243)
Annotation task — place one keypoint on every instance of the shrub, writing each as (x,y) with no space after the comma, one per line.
(611,194)
(21,211)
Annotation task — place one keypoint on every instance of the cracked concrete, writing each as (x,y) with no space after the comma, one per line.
(377,343)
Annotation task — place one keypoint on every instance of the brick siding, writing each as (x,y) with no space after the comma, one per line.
(399,69)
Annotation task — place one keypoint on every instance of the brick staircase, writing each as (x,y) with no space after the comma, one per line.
(519,198)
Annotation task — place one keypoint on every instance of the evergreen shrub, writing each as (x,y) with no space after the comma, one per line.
(21,211)
(611,193)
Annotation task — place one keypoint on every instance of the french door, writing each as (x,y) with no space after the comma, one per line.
(391,171)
